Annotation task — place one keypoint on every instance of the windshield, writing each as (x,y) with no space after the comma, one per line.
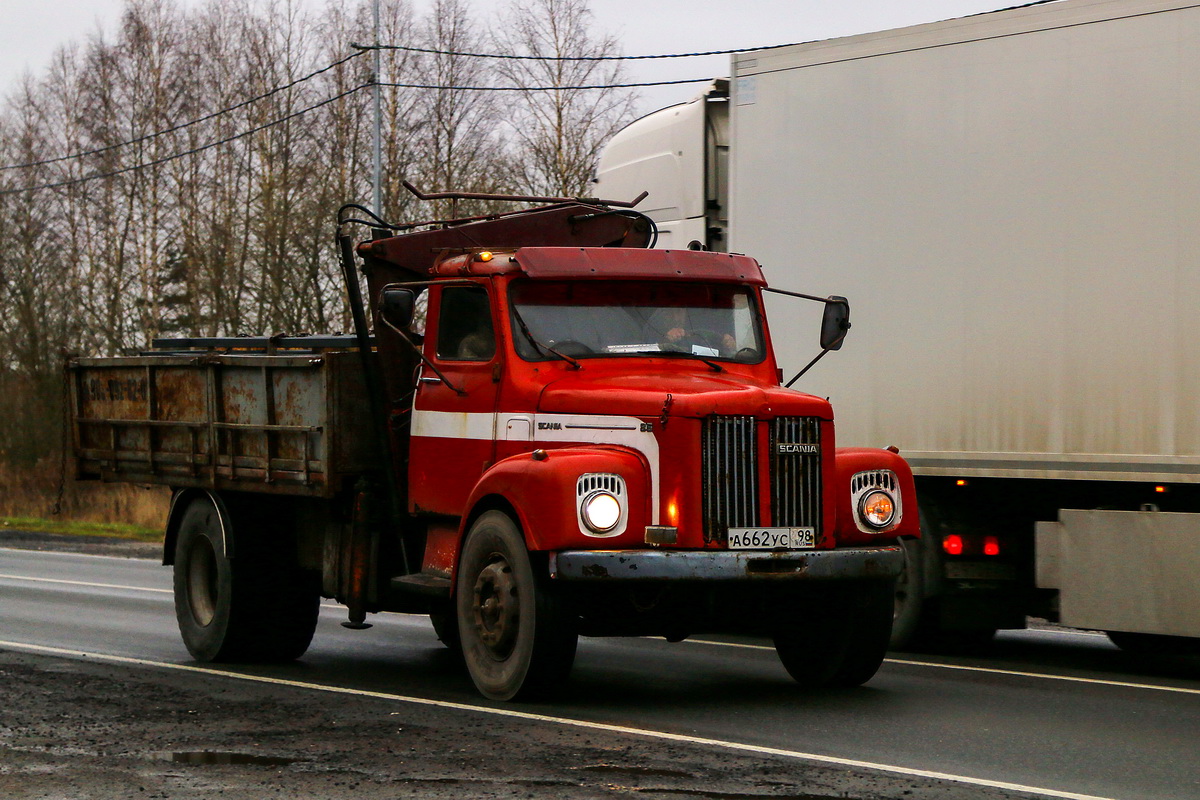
(584,319)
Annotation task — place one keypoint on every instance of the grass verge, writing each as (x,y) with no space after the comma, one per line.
(114,530)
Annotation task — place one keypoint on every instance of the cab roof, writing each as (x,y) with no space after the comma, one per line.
(607,263)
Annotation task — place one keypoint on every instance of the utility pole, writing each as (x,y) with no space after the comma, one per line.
(378,154)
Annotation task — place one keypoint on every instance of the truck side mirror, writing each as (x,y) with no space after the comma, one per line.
(398,306)
(835,323)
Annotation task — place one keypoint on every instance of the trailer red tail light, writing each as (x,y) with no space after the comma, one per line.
(953,545)
(991,546)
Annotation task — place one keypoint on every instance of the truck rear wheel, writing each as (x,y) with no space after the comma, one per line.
(518,640)
(254,607)
(845,646)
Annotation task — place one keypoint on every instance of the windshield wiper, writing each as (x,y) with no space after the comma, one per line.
(542,348)
(714,366)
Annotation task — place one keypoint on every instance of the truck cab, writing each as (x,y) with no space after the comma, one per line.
(620,410)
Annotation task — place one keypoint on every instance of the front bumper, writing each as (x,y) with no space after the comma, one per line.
(727,565)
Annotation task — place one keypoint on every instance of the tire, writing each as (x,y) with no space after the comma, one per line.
(909,601)
(256,606)
(445,625)
(518,640)
(845,646)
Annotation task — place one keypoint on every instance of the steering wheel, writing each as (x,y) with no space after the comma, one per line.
(701,337)
(748,355)
(571,347)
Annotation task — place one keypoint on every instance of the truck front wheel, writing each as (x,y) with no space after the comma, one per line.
(518,639)
(845,644)
(254,607)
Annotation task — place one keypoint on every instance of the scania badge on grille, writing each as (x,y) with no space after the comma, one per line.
(790,448)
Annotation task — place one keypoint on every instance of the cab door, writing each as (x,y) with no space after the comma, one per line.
(454,415)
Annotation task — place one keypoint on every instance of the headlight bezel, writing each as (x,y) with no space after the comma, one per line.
(592,487)
(863,485)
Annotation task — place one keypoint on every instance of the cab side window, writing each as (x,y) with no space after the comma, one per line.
(465,331)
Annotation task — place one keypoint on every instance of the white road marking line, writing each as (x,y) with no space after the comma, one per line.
(1047,676)
(335,606)
(85,583)
(565,721)
(989,670)
(902,662)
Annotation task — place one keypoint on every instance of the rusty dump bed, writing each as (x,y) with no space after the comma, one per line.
(265,420)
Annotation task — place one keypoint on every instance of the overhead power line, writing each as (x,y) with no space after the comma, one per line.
(513,57)
(293,115)
(193,151)
(183,125)
(541,88)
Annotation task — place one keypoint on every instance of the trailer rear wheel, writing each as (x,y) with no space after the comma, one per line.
(518,639)
(845,645)
(256,606)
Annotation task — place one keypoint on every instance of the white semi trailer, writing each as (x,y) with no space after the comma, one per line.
(1011,201)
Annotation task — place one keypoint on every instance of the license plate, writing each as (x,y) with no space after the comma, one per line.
(772,538)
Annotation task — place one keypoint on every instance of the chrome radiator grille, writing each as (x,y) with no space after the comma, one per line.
(729,459)
(796,472)
(730,473)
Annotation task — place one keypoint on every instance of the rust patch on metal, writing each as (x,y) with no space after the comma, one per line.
(594,571)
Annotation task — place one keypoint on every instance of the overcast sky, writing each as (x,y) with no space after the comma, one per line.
(33,29)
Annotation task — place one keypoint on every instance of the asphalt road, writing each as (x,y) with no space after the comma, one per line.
(1059,713)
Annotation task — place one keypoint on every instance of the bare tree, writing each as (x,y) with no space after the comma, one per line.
(35,307)
(559,127)
(460,146)
(214,188)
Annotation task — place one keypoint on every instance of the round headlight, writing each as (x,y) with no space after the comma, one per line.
(877,508)
(601,511)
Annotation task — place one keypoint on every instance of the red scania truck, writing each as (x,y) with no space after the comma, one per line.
(553,431)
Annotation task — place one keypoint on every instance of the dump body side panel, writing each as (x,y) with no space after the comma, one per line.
(284,424)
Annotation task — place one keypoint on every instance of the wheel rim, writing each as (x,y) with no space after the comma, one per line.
(202,581)
(497,608)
